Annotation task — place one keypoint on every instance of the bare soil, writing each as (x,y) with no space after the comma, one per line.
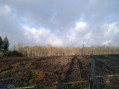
(57,68)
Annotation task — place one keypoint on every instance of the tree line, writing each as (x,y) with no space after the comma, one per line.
(37,51)
(4,44)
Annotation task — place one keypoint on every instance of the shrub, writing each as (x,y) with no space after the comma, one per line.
(12,54)
(1,54)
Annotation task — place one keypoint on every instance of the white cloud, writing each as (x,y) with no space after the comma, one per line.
(42,36)
(55,40)
(88,36)
(60,22)
(80,26)
(5,9)
(106,42)
(111,29)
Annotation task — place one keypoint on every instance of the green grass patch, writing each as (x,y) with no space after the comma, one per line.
(4,72)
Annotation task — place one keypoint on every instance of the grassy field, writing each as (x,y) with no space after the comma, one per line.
(57,69)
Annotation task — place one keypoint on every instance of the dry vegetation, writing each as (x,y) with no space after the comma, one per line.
(37,51)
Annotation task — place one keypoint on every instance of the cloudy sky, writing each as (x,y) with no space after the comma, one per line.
(60,22)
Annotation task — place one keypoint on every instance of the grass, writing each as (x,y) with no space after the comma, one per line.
(4,72)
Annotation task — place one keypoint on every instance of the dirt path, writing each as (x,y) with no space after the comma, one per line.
(75,71)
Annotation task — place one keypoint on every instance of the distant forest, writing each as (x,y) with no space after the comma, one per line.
(37,51)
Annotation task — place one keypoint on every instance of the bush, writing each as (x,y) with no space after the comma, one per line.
(1,54)
(12,54)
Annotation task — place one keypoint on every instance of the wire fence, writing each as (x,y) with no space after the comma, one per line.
(107,82)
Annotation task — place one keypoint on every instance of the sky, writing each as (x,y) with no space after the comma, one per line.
(60,22)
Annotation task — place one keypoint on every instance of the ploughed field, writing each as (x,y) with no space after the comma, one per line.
(23,71)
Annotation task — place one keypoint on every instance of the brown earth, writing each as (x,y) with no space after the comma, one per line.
(57,68)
